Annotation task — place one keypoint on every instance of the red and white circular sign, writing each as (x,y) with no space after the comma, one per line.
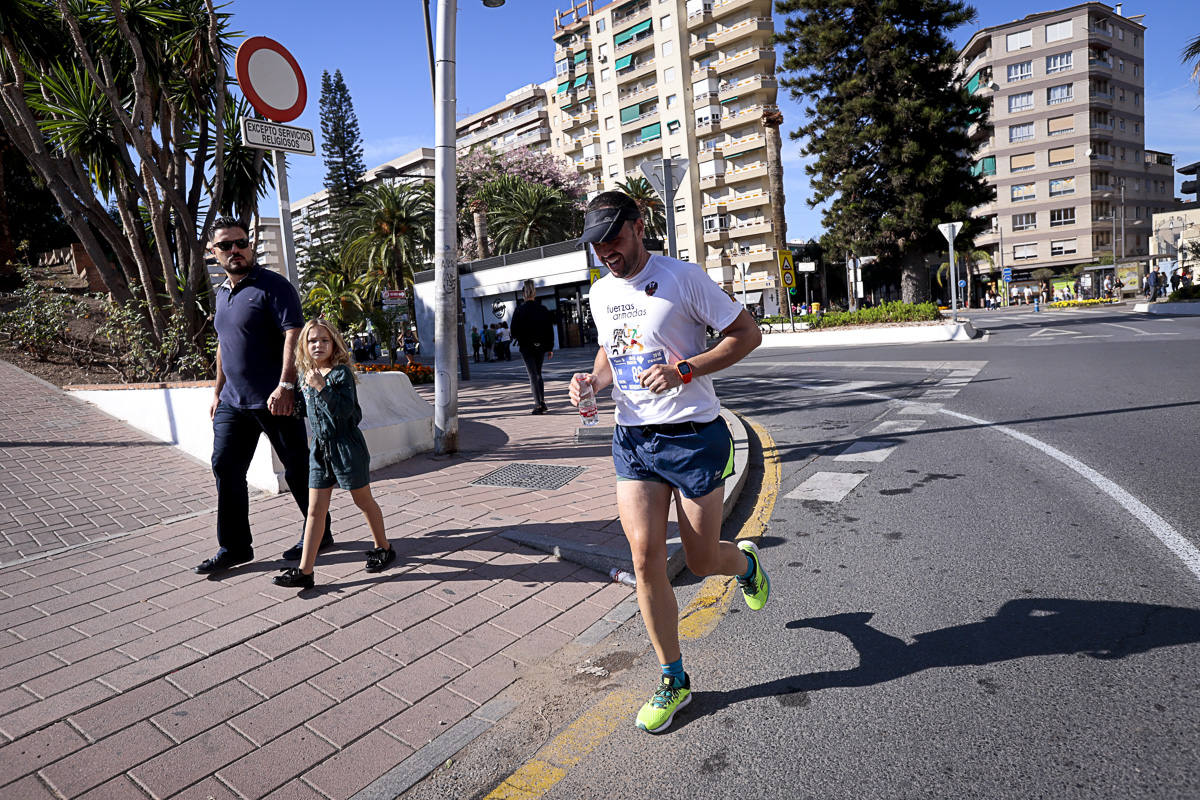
(271,79)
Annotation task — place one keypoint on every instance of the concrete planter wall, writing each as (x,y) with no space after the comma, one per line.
(397,422)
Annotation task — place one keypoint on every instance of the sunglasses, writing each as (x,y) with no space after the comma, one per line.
(240,244)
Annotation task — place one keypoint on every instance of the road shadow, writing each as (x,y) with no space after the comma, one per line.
(1024,628)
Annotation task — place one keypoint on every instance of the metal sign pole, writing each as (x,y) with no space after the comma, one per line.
(668,180)
(285,218)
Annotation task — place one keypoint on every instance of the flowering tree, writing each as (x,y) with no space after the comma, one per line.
(483,166)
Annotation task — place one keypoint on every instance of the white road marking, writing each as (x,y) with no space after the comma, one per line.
(1045,332)
(1141,332)
(921,408)
(897,426)
(827,487)
(867,450)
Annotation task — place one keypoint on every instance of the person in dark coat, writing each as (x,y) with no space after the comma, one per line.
(533,328)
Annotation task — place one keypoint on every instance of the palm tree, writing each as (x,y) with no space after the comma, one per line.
(247,171)
(522,215)
(771,120)
(1192,53)
(965,260)
(649,204)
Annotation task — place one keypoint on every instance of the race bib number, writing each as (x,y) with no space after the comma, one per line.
(628,369)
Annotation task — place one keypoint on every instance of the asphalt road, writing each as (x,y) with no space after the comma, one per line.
(974,593)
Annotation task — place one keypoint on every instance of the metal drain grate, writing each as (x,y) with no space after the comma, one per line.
(530,476)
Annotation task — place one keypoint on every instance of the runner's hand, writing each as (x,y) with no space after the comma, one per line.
(661,378)
(577,380)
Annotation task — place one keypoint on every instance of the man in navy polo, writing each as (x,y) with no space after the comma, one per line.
(258,321)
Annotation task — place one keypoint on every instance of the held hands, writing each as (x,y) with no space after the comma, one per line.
(280,402)
(661,378)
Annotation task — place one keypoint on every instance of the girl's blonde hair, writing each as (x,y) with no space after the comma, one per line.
(341,353)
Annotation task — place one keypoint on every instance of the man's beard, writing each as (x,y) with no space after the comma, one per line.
(238,267)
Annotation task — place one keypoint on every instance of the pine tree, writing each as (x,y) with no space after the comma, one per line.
(888,122)
(341,142)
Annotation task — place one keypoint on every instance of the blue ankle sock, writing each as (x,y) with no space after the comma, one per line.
(675,670)
(750,571)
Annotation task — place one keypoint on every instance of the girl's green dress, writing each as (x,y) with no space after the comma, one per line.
(338,452)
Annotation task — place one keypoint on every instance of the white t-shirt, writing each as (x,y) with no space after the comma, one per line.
(658,317)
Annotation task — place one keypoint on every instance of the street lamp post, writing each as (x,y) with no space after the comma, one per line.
(445,236)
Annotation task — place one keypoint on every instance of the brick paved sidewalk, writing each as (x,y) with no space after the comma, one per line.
(71,474)
(122,674)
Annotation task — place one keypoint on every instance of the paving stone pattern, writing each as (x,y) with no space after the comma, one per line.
(123,674)
(71,474)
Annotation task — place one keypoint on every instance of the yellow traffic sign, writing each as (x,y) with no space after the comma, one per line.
(787,269)
(593,275)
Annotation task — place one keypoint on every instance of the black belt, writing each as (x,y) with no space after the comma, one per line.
(674,427)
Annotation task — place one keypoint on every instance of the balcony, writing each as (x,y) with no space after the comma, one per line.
(749,172)
(743,145)
(713,235)
(637,93)
(588,163)
(699,18)
(639,70)
(639,42)
(708,153)
(763,56)
(712,181)
(756,255)
(747,27)
(750,200)
(746,86)
(707,125)
(701,46)
(641,146)
(641,118)
(718,261)
(756,227)
(574,121)
(723,8)
(631,17)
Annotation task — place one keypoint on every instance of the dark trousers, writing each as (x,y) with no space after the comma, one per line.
(533,365)
(235,437)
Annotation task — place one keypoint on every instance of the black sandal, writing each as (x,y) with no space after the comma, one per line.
(293,578)
(378,559)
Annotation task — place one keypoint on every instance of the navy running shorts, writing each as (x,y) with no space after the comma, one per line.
(693,457)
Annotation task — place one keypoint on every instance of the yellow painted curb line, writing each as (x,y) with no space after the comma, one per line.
(550,764)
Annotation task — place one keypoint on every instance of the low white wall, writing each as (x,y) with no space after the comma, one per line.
(854,334)
(1190,307)
(397,422)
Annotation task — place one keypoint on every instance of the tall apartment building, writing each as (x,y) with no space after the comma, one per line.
(1065,143)
(521,120)
(648,79)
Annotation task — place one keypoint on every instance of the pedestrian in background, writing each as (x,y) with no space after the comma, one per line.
(533,328)
(257,320)
(338,455)
(475,342)
(504,342)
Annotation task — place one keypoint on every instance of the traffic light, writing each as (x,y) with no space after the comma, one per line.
(1192,186)
(1189,187)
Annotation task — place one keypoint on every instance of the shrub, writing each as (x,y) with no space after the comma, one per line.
(894,311)
(416,373)
(37,321)
(137,357)
(1185,293)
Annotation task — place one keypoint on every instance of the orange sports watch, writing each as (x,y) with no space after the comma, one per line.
(685,371)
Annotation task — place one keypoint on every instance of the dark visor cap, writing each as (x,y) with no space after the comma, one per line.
(604,224)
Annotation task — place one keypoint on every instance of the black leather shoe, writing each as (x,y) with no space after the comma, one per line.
(294,552)
(378,559)
(293,578)
(221,562)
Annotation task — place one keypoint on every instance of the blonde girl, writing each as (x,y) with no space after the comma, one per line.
(338,452)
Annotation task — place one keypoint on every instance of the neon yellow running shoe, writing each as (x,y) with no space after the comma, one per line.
(757,588)
(656,715)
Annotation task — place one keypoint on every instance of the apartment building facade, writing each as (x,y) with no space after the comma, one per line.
(646,79)
(522,119)
(1064,145)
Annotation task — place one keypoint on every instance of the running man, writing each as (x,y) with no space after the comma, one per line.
(670,439)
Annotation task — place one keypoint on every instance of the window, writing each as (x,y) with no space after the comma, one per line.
(1019,72)
(609,122)
(612,147)
(1121,34)
(1062,216)
(600,25)
(669,75)
(1062,247)
(1024,222)
(984,166)
(668,48)
(1061,186)
(603,50)
(1020,133)
(1023,191)
(1020,163)
(1137,70)
(664,22)
(1024,251)
(1057,31)
(605,74)
(1063,93)
(1137,98)
(1062,155)
(1120,65)
(1059,63)
(1137,127)
(562,66)
(672,126)
(1121,123)
(1020,40)
(606,99)
(1020,102)
(675,153)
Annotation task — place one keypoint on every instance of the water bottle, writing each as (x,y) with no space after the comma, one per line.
(587,400)
(622,577)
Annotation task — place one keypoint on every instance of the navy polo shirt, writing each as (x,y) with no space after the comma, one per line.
(250,320)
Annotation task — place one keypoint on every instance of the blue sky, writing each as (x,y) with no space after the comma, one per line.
(380,49)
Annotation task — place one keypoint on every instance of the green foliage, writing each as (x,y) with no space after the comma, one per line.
(341,142)
(894,311)
(138,357)
(649,204)
(1185,293)
(38,317)
(391,230)
(886,121)
(522,214)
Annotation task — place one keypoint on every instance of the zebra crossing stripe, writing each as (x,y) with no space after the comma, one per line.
(874,450)
(827,487)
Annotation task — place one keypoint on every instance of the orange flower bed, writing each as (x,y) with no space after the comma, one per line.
(415,372)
